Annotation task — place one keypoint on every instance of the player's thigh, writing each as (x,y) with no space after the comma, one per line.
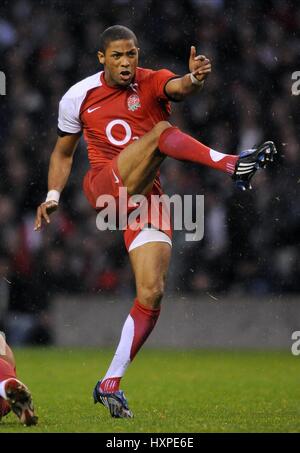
(142,178)
(144,148)
(150,264)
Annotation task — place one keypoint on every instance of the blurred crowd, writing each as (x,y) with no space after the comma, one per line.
(251,240)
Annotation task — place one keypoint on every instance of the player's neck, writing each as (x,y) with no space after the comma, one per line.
(111,83)
(108,80)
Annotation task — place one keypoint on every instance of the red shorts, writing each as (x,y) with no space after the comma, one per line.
(107,181)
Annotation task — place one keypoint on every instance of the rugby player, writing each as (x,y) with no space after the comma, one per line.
(14,395)
(122,112)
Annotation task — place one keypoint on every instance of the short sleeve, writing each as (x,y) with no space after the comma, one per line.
(68,117)
(159,81)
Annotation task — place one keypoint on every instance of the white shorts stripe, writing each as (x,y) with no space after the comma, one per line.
(149,235)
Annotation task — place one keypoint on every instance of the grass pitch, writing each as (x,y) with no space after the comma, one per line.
(168,391)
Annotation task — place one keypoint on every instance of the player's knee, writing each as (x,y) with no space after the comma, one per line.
(160,127)
(151,295)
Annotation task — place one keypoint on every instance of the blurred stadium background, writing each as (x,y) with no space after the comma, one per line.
(237,287)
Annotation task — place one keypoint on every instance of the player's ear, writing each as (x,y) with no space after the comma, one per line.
(101,57)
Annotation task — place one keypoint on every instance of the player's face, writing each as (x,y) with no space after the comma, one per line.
(120,61)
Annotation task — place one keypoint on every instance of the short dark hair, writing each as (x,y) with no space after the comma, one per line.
(115,33)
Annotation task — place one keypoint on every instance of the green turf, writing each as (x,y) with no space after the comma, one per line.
(168,391)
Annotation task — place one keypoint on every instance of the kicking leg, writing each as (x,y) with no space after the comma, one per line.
(150,264)
(139,162)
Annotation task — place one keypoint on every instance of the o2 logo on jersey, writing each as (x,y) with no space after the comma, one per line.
(133,102)
(127,130)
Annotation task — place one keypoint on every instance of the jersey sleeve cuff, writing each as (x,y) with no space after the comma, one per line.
(61,133)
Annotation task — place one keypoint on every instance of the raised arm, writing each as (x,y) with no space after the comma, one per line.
(59,171)
(200,68)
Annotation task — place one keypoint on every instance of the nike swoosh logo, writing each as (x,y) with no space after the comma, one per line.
(92,110)
(116,178)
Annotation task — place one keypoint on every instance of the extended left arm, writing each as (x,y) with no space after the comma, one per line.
(200,68)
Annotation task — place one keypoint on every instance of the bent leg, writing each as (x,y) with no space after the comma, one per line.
(139,162)
(7,371)
(14,395)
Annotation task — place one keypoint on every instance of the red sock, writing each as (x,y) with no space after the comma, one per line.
(181,146)
(6,371)
(144,321)
(137,328)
